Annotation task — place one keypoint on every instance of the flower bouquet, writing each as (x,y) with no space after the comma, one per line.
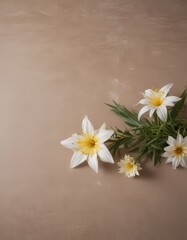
(162,134)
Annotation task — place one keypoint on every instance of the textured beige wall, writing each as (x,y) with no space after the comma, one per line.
(60,60)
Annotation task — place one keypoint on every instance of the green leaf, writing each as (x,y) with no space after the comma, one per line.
(178,106)
(130,118)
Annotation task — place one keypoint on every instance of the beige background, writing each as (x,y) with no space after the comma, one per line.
(60,60)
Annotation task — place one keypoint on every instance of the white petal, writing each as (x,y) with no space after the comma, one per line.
(179,138)
(77,159)
(144,101)
(151,112)
(171,140)
(104,135)
(103,126)
(105,155)
(171,99)
(168,148)
(166,89)
(162,113)
(170,159)
(167,103)
(142,111)
(185,140)
(175,163)
(148,93)
(87,127)
(165,154)
(93,162)
(183,163)
(185,150)
(71,142)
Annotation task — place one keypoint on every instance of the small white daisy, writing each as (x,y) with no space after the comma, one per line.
(129,167)
(176,152)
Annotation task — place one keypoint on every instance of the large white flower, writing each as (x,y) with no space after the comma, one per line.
(157,100)
(176,152)
(89,145)
(129,167)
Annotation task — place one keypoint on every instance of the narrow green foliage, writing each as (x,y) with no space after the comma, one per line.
(178,106)
(147,137)
(130,118)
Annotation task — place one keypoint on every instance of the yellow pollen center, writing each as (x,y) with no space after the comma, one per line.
(88,144)
(129,166)
(157,101)
(178,151)
(92,143)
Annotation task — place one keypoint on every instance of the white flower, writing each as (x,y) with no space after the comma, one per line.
(129,167)
(88,145)
(176,152)
(157,100)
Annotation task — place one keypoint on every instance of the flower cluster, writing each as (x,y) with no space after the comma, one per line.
(162,134)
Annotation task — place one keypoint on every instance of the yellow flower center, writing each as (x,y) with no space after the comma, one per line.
(156,101)
(129,166)
(178,151)
(88,144)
